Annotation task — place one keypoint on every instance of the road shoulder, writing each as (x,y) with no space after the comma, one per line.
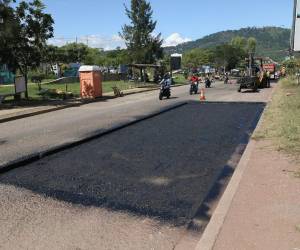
(260,208)
(265,212)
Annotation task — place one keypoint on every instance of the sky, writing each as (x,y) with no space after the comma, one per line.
(98,22)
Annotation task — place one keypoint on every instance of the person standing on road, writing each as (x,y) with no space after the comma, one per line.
(226,79)
(268,79)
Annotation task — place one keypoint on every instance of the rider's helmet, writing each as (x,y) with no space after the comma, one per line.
(167,76)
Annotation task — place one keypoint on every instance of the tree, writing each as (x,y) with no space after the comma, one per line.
(73,52)
(142,45)
(116,57)
(239,42)
(197,57)
(32,28)
(251,45)
(9,28)
(228,56)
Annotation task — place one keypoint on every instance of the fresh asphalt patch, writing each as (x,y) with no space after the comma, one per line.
(22,161)
(161,167)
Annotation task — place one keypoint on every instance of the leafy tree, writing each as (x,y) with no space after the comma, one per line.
(251,45)
(228,56)
(117,57)
(292,65)
(73,52)
(9,28)
(81,53)
(32,28)
(143,46)
(197,57)
(239,42)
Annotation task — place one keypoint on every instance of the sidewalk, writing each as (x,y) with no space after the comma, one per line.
(260,209)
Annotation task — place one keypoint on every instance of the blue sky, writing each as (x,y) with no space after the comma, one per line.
(98,22)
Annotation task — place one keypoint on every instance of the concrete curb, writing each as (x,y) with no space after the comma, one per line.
(214,227)
(39,155)
(39,112)
(211,233)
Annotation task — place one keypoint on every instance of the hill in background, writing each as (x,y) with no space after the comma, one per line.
(273,42)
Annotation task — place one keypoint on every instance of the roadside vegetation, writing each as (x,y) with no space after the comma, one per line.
(74,87)
(282,118)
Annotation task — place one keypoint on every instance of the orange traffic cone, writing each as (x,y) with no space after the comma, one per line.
(202,95)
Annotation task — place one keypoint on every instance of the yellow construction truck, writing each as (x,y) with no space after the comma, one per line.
(257,74)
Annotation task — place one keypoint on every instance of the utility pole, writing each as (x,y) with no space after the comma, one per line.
(292,38)
(78,51)
(250,64)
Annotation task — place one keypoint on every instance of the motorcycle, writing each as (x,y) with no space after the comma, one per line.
(165,90)
(193,88)
(207,83)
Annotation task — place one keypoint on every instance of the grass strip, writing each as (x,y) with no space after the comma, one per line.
(281,123)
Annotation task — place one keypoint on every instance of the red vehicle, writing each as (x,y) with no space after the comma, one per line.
(271,67)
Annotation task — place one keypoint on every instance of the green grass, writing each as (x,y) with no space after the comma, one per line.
(179,79)
(75,87)
(72,87)
(282,118)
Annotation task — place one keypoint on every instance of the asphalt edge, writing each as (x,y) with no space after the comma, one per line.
(39,155)
(40,112)
(211,233)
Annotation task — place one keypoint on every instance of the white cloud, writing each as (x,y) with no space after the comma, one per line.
(94,41)
(175,39)
(109,43)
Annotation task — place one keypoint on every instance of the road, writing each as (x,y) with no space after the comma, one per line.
(36,134)
(137,188)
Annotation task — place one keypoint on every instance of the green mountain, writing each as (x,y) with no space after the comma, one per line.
(273,42)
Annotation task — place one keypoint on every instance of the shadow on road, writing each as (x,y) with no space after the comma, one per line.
(250,91)
(163,167)
(203,215)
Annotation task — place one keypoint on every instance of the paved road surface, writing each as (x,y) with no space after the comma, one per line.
(35,134)
(137,188)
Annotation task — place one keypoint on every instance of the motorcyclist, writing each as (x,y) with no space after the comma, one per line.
(194,79)
(207,82)
(226,79)
(165,89)
(194,84)
(166,81)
